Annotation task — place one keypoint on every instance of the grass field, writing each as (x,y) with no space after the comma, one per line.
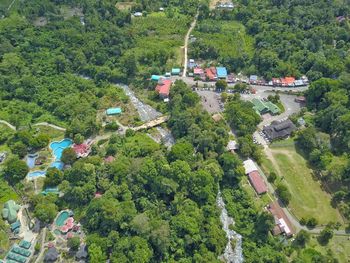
(338,245)
(227,38)
(160,36)
(308,198)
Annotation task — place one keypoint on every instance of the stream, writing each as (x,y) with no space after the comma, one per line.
(231,255)
(147,113)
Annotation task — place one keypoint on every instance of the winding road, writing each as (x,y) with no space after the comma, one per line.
(187,37)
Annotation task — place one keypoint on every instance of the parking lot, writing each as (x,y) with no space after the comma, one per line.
(211,101)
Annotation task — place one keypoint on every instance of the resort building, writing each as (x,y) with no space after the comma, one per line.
(279,130)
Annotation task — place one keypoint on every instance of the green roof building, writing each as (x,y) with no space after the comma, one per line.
(259,106)
(10,210)
(262,107)
(175,71)
(272,108)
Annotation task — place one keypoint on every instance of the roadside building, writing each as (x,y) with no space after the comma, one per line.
(51,255)
(210,73)
(197,71)
(113,111)
(175,71)
(279,130)
(191,64)
(282,222)
(163,88)
(298,83)
(221,72)
(287,82)
(253,79)
(276,82)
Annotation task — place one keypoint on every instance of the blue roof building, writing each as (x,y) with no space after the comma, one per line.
(221,72)
(155,77)
(113,111)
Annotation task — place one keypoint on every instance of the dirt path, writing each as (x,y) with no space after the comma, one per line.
(186,44)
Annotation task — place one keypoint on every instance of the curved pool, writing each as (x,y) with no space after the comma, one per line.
(58,147)
(62,217)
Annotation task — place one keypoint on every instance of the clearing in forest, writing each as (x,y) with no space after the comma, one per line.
(308,197)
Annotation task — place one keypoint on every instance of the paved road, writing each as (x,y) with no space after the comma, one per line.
(42,249)
(200,84)
(193,24)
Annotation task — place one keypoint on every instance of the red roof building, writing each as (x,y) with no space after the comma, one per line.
(282,222)
(287,81)
(163,87)
(211,73)
(257,182)
(198,71)
(82,150)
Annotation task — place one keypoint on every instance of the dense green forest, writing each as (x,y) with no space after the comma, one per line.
(279,38)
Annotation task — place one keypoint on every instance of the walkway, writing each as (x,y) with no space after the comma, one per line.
(42,248)
(8,125)
(193,24)
(50,125)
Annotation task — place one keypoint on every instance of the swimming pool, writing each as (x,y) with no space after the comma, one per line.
(62,217)
(58,147)
(57,164)
(35,174)
(31,160)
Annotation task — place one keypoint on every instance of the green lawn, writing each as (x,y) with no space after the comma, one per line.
(308,198)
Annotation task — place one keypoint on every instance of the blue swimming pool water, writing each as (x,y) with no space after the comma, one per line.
(58,147)
(31,160)
(57,164)
(36,174)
